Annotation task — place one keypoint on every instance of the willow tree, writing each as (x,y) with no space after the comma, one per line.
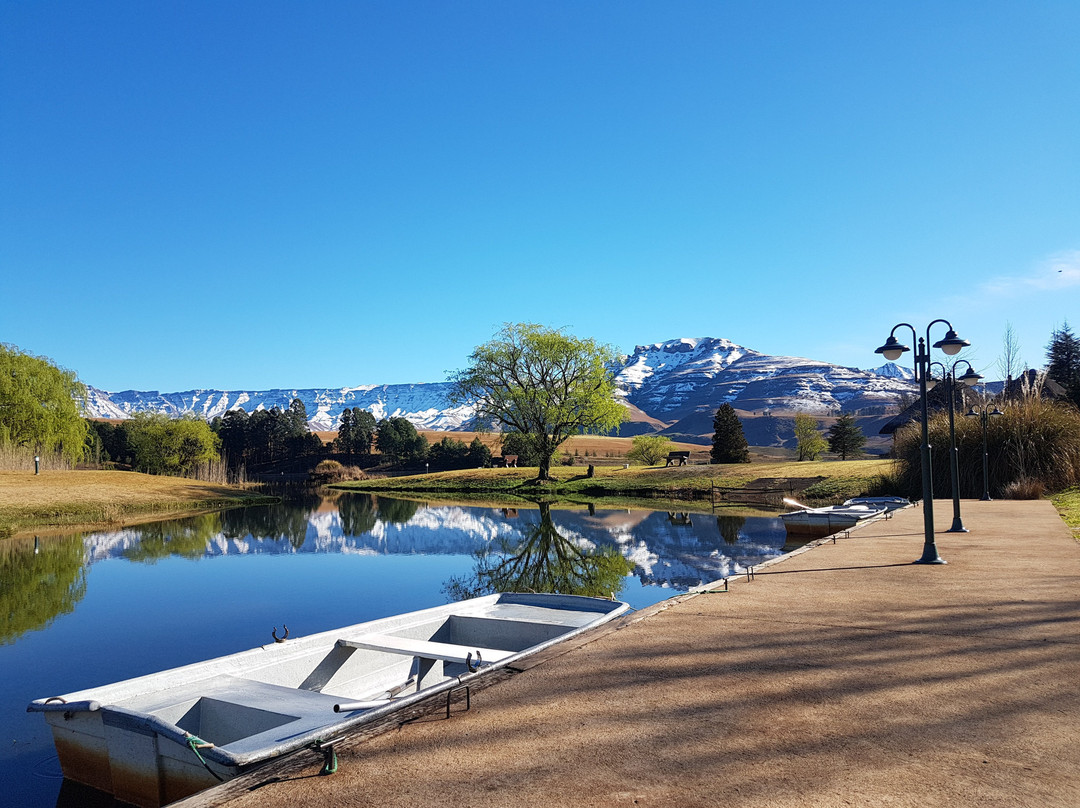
(40,405)
(543,383)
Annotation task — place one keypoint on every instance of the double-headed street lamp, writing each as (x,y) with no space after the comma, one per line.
(970,378)
(892,350)
(984,417)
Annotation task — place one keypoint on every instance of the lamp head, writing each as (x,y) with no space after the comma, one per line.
(893,349)
(971,413)
(971,378)
(996,412)
(951,345)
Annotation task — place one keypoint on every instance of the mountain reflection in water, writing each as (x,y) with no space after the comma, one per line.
(584,550)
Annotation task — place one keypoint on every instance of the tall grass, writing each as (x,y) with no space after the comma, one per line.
(19,458)
(1033,447)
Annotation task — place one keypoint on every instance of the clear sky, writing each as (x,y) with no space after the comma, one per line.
(283,194)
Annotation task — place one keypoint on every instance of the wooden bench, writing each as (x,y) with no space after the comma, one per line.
(427,649)
(679,458)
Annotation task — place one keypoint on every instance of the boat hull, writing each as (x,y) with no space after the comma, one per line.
(826,521)
(155,739)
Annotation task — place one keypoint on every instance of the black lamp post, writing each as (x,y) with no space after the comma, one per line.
(892,350)
(969,378)
(984,418)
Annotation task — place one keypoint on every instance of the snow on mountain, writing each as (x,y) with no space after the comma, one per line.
(426,405)
(891,370)
(667,381)
(672,379)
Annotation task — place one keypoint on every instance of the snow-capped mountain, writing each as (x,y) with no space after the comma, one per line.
(673,379)
(892,370)
(668,381)
(426,405)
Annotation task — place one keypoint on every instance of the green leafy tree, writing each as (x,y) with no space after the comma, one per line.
(1063,361)
(845,437)
(809,442)
(729,442)
(448,453)
(161,445)
(40,405)
(542,383)
(516,443)
(399,441)
(649,450)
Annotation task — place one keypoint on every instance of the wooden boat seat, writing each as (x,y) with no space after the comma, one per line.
(425,649)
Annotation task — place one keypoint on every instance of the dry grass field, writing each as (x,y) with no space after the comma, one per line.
(77,498)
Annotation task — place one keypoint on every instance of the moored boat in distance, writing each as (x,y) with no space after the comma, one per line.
(888,503)
(830,519)
(158,738)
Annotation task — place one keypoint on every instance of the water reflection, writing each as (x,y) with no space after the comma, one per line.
(526,547)
(38,582)
(543,560)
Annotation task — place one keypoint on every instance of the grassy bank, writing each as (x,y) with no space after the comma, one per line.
(839,480)
(1068,505)
(71,499)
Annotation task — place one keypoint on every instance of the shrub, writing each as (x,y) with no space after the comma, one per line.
(1024,489)
(649,450)
(1036,441)
(331,471)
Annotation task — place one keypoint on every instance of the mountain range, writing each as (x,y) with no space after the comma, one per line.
(672,387)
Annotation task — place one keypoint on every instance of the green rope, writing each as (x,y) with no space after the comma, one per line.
(194,742)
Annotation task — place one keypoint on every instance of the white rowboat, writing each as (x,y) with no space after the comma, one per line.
(158,738)
(823,521)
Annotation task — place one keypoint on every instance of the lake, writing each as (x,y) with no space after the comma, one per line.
(92,608)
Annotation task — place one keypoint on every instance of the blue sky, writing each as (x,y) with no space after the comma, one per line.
(280,194)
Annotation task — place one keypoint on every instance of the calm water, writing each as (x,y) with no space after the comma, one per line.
(87,609)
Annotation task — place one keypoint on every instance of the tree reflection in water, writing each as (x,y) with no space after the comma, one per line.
(39,580)
(543,560)
(729,527)
(187,538)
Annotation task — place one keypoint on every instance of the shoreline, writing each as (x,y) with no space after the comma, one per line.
(67,501)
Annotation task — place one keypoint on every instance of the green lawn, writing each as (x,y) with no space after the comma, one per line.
(1068,505)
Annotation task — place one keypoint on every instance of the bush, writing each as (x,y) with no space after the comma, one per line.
(331,471)
(649,450)
(1024,489)
(1035,442)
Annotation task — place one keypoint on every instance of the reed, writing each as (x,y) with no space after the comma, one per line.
(1032,449)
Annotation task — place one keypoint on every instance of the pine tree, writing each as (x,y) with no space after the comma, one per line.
(344,441)
(845,437)
(728,443)
(1063,361)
